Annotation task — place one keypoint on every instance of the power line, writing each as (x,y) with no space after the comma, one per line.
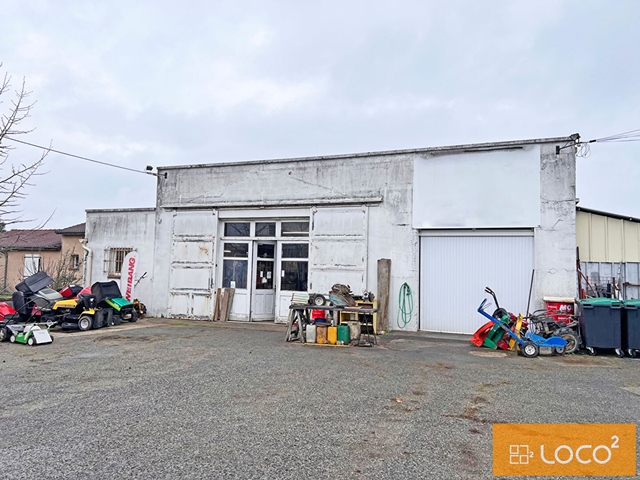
(583,149)
(84,158)
(630,136)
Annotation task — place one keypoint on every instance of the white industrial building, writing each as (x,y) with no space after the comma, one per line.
(452,220)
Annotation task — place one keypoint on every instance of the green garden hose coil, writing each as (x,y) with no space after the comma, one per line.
(405,306)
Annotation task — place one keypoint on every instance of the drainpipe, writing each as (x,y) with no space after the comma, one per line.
(6,267)
(88,257)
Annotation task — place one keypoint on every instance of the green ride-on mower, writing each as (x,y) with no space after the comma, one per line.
(111,307)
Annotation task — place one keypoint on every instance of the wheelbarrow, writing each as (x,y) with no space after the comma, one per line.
(531,343)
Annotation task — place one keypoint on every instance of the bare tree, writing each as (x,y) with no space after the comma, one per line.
(14,178)
(63,271)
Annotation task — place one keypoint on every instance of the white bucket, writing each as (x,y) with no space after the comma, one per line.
(311,334)
(354,330)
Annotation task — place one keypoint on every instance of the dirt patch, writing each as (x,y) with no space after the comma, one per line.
(481,353)
(136,338)
(444,366)
(472,411)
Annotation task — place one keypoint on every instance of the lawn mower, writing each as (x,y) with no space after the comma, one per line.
(111,307)
(530,345)
(31,334)
(76,312)
(35,302)
(8,316)
(490,334)
(542,323)
(33,299)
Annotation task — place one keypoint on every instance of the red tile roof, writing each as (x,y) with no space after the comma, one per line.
(73,230)
(30,240)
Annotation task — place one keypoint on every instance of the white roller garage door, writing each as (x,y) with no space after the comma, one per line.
(456,267)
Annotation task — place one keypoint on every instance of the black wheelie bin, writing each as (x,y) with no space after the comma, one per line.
(601,325)
(631,328)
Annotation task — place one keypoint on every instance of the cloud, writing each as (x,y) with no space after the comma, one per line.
(157,83)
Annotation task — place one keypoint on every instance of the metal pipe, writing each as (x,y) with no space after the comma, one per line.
(6,268)
(88,258)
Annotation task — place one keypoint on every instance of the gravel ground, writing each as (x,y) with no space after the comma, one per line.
(171,399)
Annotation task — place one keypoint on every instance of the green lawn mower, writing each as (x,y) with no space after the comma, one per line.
(31,334)
(111,307)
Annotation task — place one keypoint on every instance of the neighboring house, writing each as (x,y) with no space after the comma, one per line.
(25,252)
(452,220)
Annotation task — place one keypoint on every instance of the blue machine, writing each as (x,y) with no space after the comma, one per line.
(531,343)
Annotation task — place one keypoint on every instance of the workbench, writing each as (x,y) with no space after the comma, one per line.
(300,317)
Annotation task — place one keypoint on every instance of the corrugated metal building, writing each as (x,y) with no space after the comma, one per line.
(451,219)
(609,252)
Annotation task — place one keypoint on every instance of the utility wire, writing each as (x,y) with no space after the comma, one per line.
(583,149)
(630,136)
(82,158)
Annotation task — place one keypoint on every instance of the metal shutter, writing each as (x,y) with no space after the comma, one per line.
(456,268)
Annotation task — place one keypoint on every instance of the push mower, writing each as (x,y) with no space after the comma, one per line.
(542,323)
(31,334)
(531,343)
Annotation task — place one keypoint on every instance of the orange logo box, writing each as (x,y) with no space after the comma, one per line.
(571,449)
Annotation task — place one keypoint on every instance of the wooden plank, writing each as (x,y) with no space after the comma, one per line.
(287,337)
(384,283)
(216,310)
(232,291)
(225,305)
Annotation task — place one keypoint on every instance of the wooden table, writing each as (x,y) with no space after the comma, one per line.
(299,318)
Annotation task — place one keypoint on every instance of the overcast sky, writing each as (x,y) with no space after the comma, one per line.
(166,83)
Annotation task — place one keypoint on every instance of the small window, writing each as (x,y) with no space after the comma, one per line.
(235,265)
(235,229)
(294,273)
(295,250)
(75,261)
(294,276)
(266,251)
(31,264)
(113,258)
(236,250)
(234,273)
(295,229)
(267,229)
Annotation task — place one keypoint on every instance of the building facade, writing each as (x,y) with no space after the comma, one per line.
(452,220)
(56,251)
(609,253)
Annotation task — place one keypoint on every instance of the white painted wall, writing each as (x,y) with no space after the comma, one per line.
(477,189)
(124,228)
(555,238)
(453,190)
(338,248)
(380,185)
(531,187)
